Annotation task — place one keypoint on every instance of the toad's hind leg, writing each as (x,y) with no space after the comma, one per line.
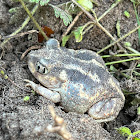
(106,110)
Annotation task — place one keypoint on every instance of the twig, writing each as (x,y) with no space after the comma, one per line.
(3,75)
(29,49)
(113,43)
(20,28)
(72,24)
(20,34)
(33,19)
(18,85)
(58,127)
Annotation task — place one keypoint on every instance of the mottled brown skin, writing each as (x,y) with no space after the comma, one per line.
(78,79)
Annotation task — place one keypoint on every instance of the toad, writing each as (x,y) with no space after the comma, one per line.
(78,79)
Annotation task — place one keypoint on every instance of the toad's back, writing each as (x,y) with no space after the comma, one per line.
(87,80)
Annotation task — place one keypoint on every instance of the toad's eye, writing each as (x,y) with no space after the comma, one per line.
(41,69)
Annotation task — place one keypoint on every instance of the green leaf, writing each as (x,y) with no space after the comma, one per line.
(69,7)
(138,110)
(127,44)
(33,92)
(2,72)
(67,18)
(112,68)
(95,2)
(5,76)
(127,14)
(26,98)
(87,4)
(136,100)
(132,1)
(78,33)
(36,1)
(124,131)
(136,133)
(42,2)
(138,65)
(137,2)
(13,10)
(65,39)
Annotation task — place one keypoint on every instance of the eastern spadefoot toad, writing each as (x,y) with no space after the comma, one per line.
(78,79)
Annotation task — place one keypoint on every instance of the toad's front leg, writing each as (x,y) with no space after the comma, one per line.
(51,95)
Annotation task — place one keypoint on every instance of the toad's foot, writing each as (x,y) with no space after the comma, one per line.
(106,110)
(51,95)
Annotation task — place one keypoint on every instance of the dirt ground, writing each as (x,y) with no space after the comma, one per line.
(18,119)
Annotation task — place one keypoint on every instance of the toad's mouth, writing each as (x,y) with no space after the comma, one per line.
(50,82)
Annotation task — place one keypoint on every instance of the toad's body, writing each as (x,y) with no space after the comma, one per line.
(78,79)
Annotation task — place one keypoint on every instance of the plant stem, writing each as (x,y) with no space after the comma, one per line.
(120,61)
(92,19)
(20,28)
(72,24)
(136,73)
(103,15)
(119,55)
(110,45)
(138,21)
(123,74)
(132,50)
(112,6)
(96,22)
(87,29)
(33,19)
